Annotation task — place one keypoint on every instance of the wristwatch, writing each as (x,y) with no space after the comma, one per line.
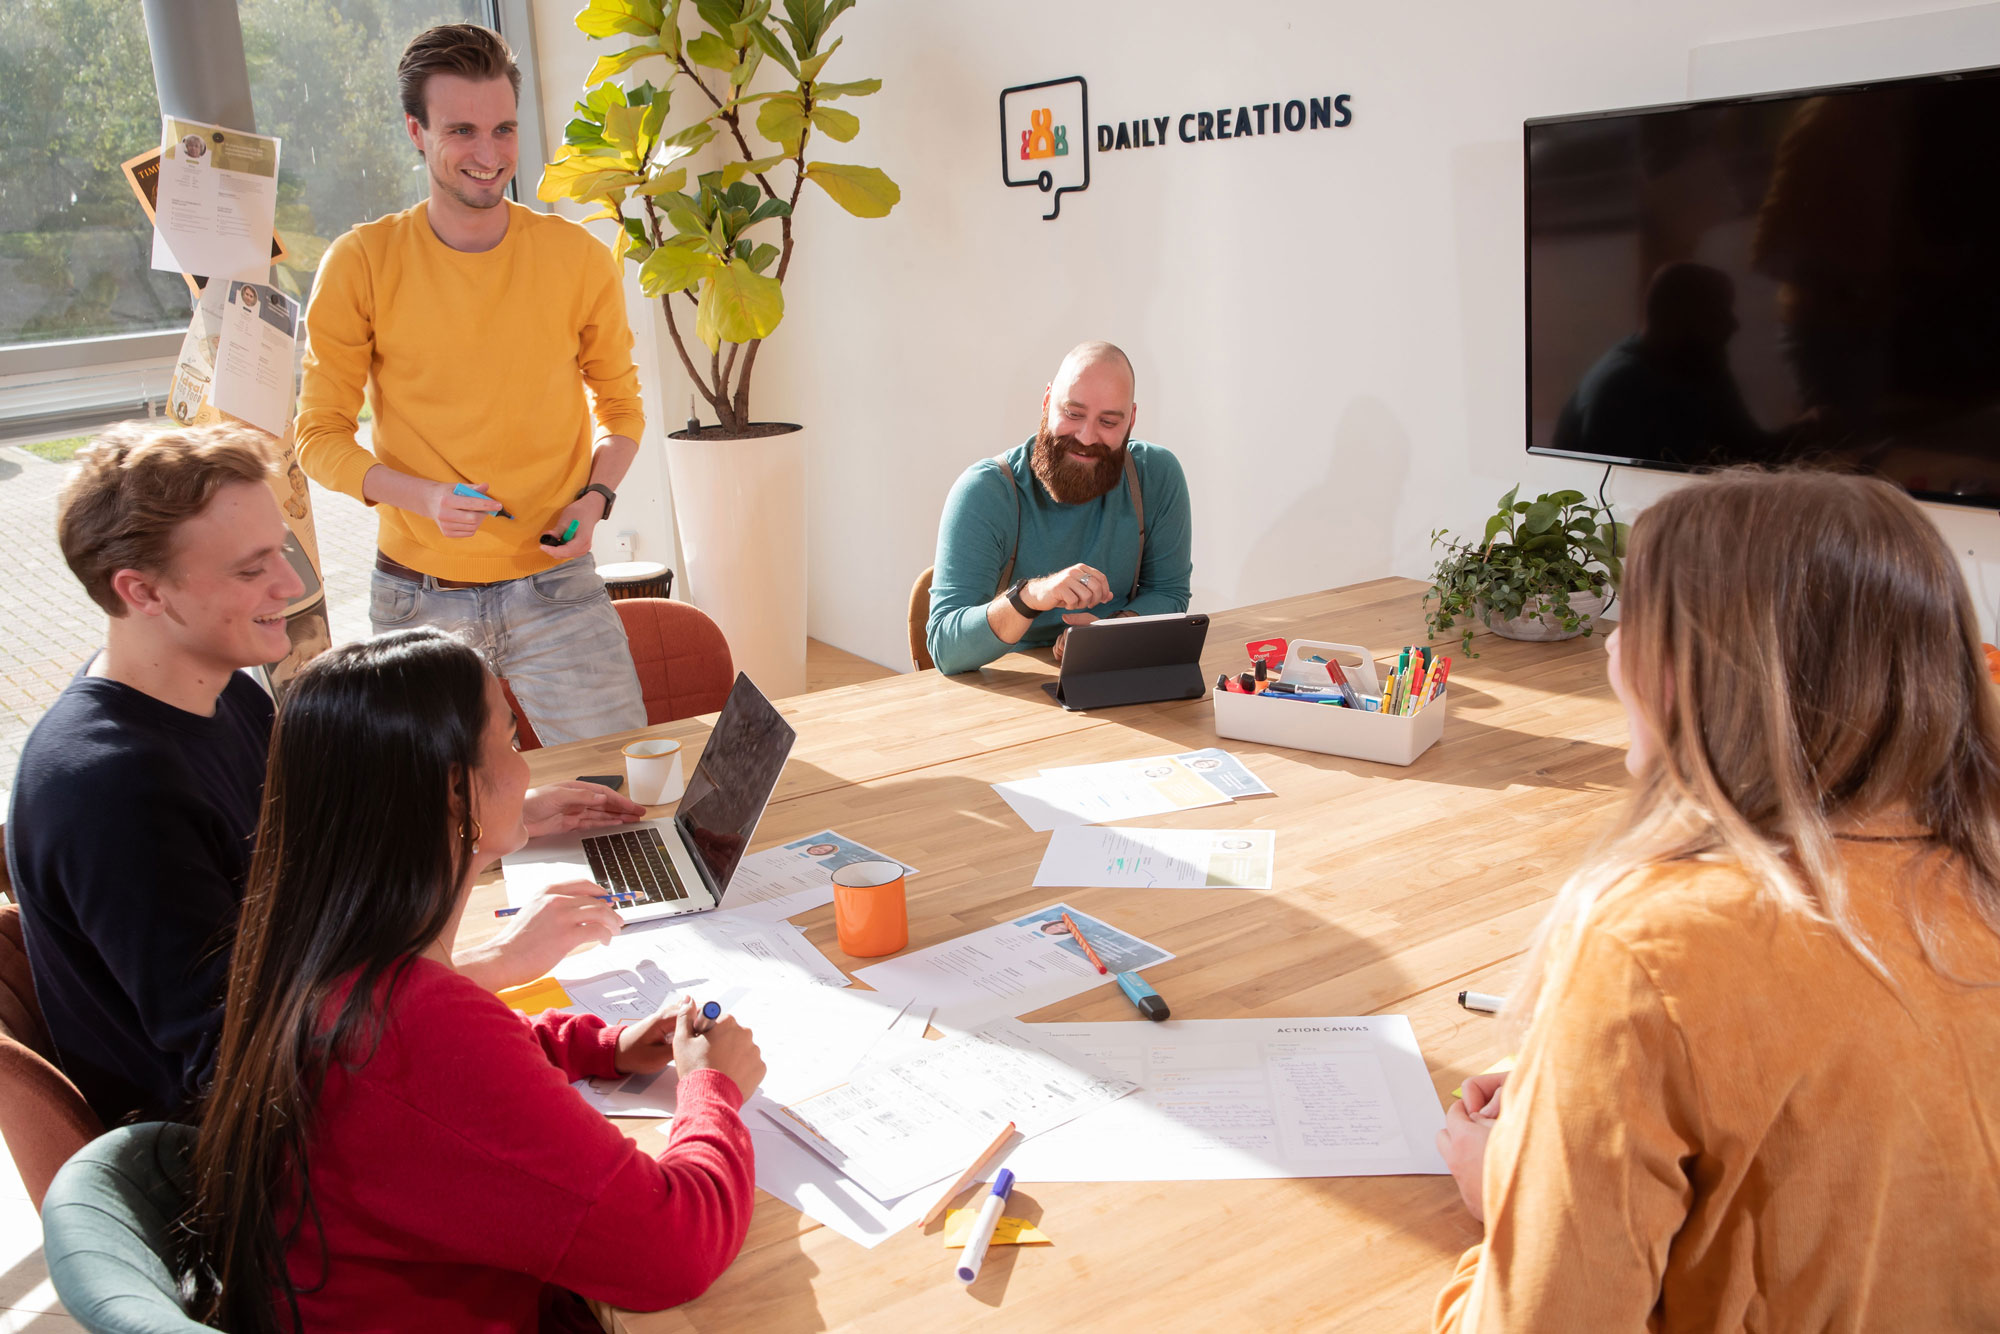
(1020,603)
(610,496)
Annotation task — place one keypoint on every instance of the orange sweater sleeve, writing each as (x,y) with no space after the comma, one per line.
(1588,1172)
(340,347)
(604,351)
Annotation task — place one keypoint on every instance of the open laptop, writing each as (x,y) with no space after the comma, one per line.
(663,868)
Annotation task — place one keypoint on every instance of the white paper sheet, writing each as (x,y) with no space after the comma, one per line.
(801,1178)
(896,1129)
(707,956)
(1095,793)
(1127,858)
(218,196)
(812,1039)
(1010,969)
(797,876)
(253,367)
(1225,1099)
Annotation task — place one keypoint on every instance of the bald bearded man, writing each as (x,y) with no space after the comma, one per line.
(1079,522)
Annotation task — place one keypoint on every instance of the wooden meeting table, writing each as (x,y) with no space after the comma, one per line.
(1395,889)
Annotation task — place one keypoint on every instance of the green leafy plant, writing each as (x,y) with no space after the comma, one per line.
(1535,556)
(620,153)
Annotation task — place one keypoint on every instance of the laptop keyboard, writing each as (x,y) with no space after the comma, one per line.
(633,864)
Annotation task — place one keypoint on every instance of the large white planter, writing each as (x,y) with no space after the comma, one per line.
(1543,627)
(741,508)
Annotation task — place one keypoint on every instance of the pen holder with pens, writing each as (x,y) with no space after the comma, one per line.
(1385,738)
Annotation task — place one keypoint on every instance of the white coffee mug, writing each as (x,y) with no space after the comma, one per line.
(653,772)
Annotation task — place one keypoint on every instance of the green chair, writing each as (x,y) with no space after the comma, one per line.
(107,1230)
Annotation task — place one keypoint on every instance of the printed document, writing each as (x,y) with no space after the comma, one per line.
(707,956)
(797,876)
(1224,1099)
(1086,856)
(1225,773)
(1010,969)
(898,1128)
(1094,793)
(253,368)
(216,200)
(812,1038)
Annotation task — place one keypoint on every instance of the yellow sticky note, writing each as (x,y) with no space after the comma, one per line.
(1007,1232)
(1504,1063)
(544,993)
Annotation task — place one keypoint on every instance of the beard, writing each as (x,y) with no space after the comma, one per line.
(1073,481)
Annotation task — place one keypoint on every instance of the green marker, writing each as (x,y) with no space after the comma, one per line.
(567,534)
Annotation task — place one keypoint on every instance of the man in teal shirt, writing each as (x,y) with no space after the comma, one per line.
(1050,533)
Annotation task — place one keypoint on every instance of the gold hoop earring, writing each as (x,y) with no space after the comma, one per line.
(478,832)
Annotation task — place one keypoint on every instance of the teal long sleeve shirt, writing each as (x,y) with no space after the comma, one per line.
(978,531)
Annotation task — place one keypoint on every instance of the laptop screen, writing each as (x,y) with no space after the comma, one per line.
(731,786)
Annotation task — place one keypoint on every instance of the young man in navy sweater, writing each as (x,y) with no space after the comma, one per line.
(136,802)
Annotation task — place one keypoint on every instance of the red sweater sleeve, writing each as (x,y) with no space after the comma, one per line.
(579,1045)
(461,1134)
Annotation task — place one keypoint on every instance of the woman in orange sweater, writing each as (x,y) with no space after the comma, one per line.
(1760,1082)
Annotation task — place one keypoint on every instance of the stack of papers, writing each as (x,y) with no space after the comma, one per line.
(898,1128)
(1084,794)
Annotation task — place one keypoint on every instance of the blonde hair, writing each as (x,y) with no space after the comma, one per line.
(133,486)
(1803,651)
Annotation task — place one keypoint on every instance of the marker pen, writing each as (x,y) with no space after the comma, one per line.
(1481,1002)
(463,489)
(1148,1000)
(982,1226)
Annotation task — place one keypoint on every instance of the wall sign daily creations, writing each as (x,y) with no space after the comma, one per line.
(1046,135)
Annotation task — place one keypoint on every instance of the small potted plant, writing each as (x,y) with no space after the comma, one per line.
(1543,571)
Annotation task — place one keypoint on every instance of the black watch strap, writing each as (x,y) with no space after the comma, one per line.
(610,496)
(1020,603)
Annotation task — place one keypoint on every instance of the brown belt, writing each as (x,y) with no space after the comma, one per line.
(397,568)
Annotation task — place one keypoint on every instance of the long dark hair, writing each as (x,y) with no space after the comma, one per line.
(358,863)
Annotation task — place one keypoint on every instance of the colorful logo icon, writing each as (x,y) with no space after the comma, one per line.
(1045,137)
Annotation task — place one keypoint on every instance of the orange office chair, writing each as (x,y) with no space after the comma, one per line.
(920,615)
(683,661)
(42,1116)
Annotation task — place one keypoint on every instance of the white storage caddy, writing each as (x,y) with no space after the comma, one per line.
(1385,738)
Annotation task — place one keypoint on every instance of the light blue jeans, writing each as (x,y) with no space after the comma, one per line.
(553,636)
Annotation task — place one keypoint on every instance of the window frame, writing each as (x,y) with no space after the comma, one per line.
(105,355)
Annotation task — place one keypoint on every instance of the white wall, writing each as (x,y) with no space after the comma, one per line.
(1327,326)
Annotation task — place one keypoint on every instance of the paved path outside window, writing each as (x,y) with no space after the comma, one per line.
(49,628)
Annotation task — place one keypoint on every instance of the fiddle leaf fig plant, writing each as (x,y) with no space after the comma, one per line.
(1534,556)
(710,243)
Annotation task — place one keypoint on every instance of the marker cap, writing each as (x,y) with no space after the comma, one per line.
(1004,1182)
(711,1010)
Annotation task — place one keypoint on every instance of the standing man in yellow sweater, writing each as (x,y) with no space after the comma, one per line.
(474,326)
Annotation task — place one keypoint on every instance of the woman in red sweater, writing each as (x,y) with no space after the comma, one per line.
(386,1146)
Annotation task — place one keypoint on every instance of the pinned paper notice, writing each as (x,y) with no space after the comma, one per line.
(1007,1232)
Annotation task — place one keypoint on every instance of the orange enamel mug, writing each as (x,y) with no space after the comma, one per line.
(871,916)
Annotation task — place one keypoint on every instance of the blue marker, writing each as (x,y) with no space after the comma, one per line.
(465,489)
(1148,1000)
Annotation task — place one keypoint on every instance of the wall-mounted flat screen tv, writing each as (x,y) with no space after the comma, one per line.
(1797,277)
